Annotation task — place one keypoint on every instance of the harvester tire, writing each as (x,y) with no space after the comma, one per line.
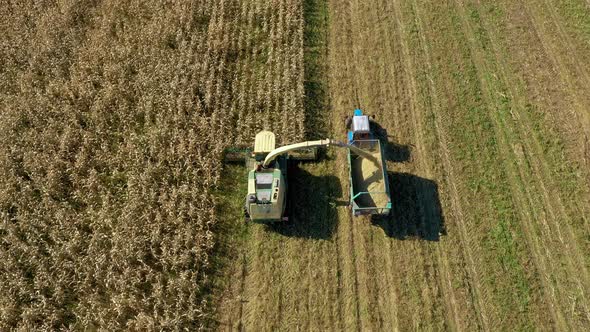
(246,216)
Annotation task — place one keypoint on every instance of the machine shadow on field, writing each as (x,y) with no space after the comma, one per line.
(312,205)
(416,210)
(397,153)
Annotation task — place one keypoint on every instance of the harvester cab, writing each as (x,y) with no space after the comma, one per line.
(267,185)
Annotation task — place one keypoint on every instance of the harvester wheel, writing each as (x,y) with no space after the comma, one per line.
(246,216)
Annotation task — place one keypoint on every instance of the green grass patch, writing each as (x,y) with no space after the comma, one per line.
(468,119)
(576,14)
(565,175)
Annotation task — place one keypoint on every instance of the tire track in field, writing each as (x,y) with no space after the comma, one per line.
(339,80)
(484,67)
(380,312)
(552,200)
(355,249)
(366,288)
(574,254)
(422,159)
(503,136)
(571,47)
(339,272)
(422,269)
(417,116)
(413,258)
(406,126)
(387,294)
(540,74)
(453,191)
(561,62)
(541,84)
(264,282)
(370,288)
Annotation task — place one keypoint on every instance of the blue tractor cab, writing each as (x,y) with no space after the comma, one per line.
(359,127)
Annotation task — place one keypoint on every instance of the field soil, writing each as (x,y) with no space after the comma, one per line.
(481,112)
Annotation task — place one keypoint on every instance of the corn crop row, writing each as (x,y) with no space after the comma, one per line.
(113,121)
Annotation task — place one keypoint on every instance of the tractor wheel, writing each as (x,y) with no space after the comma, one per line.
(347,122)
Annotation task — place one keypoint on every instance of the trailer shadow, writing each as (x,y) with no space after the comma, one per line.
(416,210)
(312,205)
(396,153)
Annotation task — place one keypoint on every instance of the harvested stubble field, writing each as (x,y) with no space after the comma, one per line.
(117,213)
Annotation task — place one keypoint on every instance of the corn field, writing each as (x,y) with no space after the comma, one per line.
(113,121)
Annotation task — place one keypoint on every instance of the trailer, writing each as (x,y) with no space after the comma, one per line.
(369,184)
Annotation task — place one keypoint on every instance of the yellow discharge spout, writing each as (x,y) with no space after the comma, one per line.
(323,142)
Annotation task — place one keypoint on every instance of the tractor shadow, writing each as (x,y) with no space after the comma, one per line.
(397,153)
(312,205)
